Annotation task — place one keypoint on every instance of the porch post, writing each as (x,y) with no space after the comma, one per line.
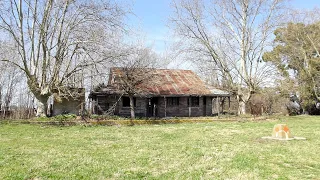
(229,104)
(218,105)
(97,107)
(90,106)
(189,100)
(223,99)
(165,106)
(149,108)
(212,105)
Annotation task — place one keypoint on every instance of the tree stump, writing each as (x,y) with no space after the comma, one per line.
(281,131)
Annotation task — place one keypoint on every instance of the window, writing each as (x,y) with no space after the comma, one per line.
(173,101)
(194,101)
(126,101)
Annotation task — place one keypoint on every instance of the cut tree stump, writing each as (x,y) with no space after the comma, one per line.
(282,132)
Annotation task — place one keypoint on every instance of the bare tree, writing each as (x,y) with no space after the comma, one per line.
(229,36)
(10,78)
(2,67)
(55,40)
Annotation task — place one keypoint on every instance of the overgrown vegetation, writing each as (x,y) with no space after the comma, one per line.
(296,55)
(62,117)
(219,150)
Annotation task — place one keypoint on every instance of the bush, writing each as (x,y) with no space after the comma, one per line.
(267,101)
(104,117)
(312,109)
(64,117)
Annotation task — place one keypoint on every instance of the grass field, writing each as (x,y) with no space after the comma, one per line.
(214,150)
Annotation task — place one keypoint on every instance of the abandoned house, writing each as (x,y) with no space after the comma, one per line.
(167,93)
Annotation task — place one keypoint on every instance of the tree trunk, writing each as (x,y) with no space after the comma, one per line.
(242,108)
(243,99)
(42,95)
(242,102)
(132,108)
(42,108)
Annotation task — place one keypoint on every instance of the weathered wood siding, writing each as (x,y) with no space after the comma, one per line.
(104,103)
(140,108)
(68,106)
(207,107)
(181,110)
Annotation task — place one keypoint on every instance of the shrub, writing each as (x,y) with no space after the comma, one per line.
(64,117)
(311,109)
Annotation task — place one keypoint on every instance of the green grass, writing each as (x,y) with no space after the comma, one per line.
(215,150)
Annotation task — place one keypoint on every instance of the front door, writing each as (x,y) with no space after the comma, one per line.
(152,107)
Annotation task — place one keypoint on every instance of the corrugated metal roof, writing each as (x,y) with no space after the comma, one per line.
(178,82)
(170,82)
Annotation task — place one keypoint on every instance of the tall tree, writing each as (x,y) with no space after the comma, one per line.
(55,40)
(1,83)
(10,78)
(297,55)
(229,36)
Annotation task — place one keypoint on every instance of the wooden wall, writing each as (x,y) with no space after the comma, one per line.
(207,107)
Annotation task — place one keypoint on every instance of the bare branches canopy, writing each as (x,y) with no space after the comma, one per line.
(229,37)
(57,39)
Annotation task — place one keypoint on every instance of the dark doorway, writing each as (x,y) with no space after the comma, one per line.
(152,107)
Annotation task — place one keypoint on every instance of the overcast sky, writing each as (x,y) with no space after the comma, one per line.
(152,17)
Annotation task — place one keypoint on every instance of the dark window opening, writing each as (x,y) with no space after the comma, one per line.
(204,101)
(126,101)
(173,101)
(194,101)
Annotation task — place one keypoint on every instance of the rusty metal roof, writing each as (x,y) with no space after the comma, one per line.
(172,82)
(178,82)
